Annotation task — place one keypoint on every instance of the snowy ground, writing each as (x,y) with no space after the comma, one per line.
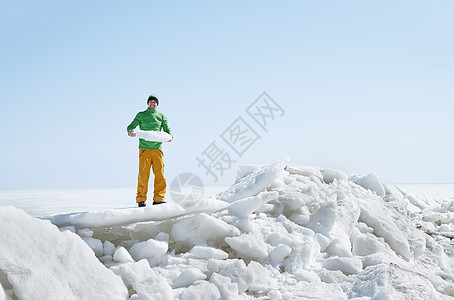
(279,232)
(44,202)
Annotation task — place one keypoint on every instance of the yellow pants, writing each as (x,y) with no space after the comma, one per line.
(147,159)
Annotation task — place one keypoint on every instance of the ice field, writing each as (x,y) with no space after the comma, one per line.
(281,231)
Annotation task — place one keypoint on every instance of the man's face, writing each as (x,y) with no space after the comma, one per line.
(152,104)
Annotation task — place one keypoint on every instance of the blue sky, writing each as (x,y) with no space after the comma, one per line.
(366,86)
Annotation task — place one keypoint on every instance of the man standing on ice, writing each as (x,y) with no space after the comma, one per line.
(150,153)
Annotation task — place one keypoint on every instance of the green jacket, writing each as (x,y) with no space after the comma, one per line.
(150,120)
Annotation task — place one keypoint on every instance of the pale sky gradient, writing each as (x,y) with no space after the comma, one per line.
(367,86)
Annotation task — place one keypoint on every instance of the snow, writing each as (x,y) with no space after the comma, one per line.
(40,262)
(108,248)
(208,252)
(274,294)
(347,265)
(95,245)
(378,217)
(279,254)
(153,136)
(148,249)
(281,231)
(85,232)
(244,207)
(188,277)
(113,217)
(143,280)
(201,290)
(202,229)
(227,289)
(370,182)
(253,183)
(3,294)
(248,246)
(121,255)
(305,171)
(329,175)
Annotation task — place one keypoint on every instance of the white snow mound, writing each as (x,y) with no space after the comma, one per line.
(279,232)
(253,183)
(40,262)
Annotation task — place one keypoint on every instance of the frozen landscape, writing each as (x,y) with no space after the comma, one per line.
(281,231)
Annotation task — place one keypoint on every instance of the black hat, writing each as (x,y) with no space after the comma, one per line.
(153,97)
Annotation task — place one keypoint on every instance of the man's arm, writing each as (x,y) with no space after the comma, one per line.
(165,127)
(133,125)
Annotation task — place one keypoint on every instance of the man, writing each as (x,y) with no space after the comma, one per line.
(150,153)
